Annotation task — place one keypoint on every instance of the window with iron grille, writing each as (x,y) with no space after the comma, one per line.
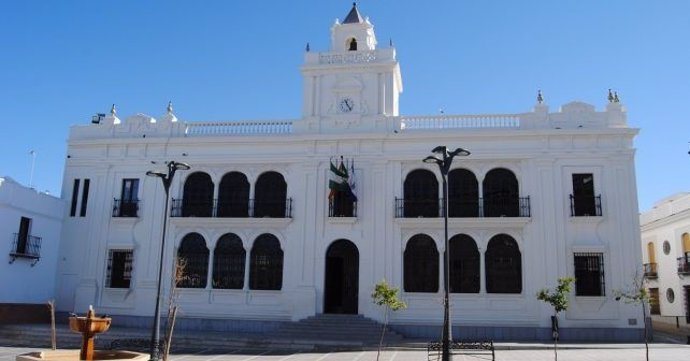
(421,194)
(197,200)
(194,256)
(270,196)
(463,194)
(229,259)
(266,264)
(464,264)
(654,308)
(233,196)
(421,265)
(119,273)
(589,274)
(501,194)
(503,262)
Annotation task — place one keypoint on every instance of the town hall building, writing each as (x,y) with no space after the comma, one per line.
(277,221)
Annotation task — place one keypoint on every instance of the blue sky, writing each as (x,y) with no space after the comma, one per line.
(62,61)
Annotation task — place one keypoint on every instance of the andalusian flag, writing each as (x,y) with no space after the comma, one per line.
(340,181)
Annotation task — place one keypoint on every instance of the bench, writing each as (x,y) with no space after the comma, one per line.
(480,349)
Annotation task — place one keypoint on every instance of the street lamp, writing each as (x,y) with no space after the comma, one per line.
(173,167)
(443,158)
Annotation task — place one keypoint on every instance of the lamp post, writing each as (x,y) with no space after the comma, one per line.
(443,158)
(167,180)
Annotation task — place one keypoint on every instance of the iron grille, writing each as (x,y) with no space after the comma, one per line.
(26,247)
(214,209)
(585,206)
(684,264)
(589,274)
(125,208)
(342,208)
(482,208)
(650,270)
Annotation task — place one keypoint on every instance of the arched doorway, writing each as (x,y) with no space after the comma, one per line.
(341,290)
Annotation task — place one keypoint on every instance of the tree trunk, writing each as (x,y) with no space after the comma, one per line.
(383,333)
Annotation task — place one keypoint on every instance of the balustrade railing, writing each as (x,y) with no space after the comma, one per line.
(219,208)
(342,208)
(239,128)
(650,270)
(461,208)
(125,208)
(25,246)
(585,206)
(460,121)
(684,264)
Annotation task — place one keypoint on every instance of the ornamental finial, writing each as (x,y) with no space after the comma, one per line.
(610,97)
(170,107)
(113,110)
(615,97)
(540,98)
(308,48)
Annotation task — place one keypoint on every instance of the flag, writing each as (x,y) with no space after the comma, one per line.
(337,178)
(351,181)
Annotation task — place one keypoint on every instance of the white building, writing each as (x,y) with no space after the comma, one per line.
(666,256)
(543,195)
(30,225)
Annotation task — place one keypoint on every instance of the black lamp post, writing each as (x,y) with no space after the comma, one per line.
(444,159)
(167,180)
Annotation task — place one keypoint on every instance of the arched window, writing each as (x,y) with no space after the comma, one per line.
(503,265)
(651,252)
(686,246)
(501,195)
(270,196)
(266,265)
(352,45)
(198,196)
(228,262)
(193,254)
(233,195)
(421,265)
(463,194)
(421,194)
(464,264)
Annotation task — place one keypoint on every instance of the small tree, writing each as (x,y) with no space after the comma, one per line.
(386,296)
(637,295)
(558,299)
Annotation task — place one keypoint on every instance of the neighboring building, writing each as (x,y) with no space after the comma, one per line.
(543,195)
(30,227)
(666,257)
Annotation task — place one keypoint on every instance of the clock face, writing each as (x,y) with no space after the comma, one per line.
(347,105)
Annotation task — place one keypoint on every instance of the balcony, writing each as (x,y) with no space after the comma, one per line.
(585,206)
(650,271)
(224,209)
(126,208)
(341,209)
(481,208)
(684,264)
(26,246)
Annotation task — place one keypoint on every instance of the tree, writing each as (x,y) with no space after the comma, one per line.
(386,296)
(178,274)
(558,299)
(637,295)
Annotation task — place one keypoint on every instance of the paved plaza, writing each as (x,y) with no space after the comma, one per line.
(539,352)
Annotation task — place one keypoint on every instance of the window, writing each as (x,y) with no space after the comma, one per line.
(271,194)
(229,259)
(654,308)
(421,194)
(23,235)
(686,290)
(266,267)
(233,196)
(193,255)
(75,196)
(463,194)
(670,295)
(582,201)
(464,264)
(198,196)
(127,205)
(667,246)
(119,273)
(84,197)
(503,265)
(352,45)
(421,265)
(501,195)
(589,274)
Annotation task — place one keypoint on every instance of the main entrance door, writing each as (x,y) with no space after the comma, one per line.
(342,278)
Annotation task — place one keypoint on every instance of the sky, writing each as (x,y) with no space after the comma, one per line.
(63,61)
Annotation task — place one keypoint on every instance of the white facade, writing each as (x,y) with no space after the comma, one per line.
(351,109)
(666,253)
(28,276)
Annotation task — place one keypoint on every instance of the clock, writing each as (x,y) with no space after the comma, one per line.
(346,105)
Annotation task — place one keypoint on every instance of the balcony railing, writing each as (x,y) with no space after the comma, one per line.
(684,264)
(480,208)
(342,209)
(228,209)
(650,271)
(25,246)
(125,207)
(585,206)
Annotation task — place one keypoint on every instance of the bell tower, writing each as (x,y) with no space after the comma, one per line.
(353,87)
